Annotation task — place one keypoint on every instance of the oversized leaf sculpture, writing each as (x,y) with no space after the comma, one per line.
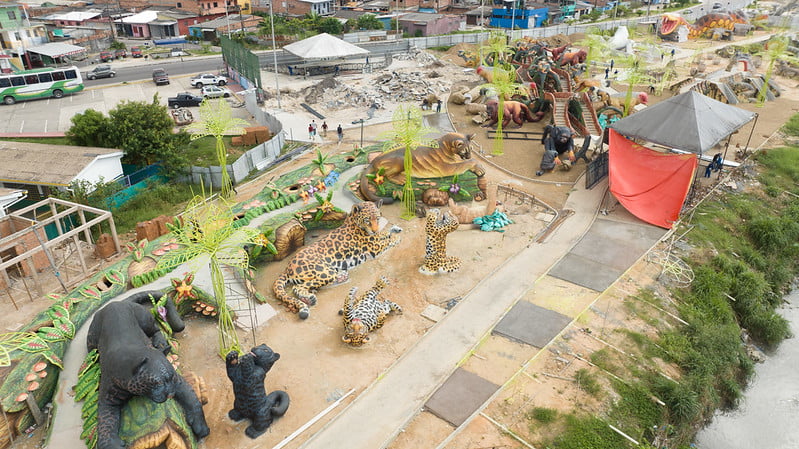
(208,231)
(408,133)
(218,121)
(504,84)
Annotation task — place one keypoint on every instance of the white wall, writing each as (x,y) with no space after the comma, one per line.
(108,167)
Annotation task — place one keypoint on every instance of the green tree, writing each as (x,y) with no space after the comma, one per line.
(144,131)
(218,121)
(330,25)
(89,129)
(208,236)
(408,133)
(117,45)
(369,22)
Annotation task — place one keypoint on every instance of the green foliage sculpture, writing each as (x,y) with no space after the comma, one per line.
(217,121)
(208,234)
(408,133)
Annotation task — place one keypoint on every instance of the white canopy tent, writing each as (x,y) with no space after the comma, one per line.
(324,47)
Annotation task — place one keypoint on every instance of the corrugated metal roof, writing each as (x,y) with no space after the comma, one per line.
(37,163)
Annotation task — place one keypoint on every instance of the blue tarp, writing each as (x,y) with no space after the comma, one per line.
(170,41)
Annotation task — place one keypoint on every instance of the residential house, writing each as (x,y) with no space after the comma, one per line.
(156,24)
(29,166)
(17,33)
(234,23)
(426,24)
(303,7)
(518,18)
(71,18)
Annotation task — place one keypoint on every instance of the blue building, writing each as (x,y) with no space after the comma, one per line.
(518,18)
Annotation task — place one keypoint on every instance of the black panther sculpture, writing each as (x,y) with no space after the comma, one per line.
(133,362)
(247,373)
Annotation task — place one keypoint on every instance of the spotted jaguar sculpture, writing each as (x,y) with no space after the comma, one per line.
(437,227)
(132,354)
(366,314)
(328,260)
(247,373)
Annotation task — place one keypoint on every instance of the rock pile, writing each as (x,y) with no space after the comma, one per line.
(414,76)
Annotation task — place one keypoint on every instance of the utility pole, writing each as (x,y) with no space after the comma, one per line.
(274,51)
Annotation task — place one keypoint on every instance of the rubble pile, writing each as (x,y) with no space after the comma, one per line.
(411,78)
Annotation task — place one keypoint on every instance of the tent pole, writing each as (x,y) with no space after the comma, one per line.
(724,158)
(752,131)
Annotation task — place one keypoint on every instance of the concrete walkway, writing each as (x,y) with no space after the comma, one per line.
(391,402)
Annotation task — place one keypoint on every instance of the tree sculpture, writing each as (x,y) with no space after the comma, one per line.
(504,84)
(218,121)
(207,231)
(774,49)
(409,132)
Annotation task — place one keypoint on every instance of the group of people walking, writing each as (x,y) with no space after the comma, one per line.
(312,131)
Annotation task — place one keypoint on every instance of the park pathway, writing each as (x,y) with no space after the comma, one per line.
(394,399)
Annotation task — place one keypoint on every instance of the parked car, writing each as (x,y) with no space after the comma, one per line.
(120,53)
(160,77)
(215,92)
(207,79)
(106,56)
(183,100)
(717,5)
(136,52)
(101,71)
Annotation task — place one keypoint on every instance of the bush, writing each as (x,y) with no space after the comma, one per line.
(791,127)
(543,415)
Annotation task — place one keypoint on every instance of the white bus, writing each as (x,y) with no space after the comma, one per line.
(39,83)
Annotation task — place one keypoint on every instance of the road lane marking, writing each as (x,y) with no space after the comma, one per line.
(21,126)
(45,126)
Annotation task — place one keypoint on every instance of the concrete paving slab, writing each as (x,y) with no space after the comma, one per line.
(605,252)
(460,396)
(531,324)
(584,272)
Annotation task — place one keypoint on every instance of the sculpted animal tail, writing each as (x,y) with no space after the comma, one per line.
(528,115)
(367,193)
(279,287)
(281,400)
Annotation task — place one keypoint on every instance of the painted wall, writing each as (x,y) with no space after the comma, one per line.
(109,167)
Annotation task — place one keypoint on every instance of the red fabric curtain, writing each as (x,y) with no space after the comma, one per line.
(649,184)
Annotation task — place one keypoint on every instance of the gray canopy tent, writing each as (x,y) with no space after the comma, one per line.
(689,122)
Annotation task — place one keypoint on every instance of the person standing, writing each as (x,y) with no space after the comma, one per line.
(324,129)
(340,133)
(310,131)
(313,123)
(438,106)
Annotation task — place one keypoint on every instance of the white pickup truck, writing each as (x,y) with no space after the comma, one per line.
(207,79)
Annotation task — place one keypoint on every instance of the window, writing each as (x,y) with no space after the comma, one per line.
(31,79)
(5,82)
(180,5)
(215,4)
(71,74)
(17,81)
(45,78)
(58,76)
(12,15)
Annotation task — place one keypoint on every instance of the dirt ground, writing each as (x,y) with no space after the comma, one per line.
(317,369)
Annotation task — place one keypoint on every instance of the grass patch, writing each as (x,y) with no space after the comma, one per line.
(47,140)
(587,432)
(587,381)
(791,127)
(202,152)
(163,199)
(543,415)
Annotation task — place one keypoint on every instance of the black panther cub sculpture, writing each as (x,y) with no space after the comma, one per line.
(247,373)
(133,362)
